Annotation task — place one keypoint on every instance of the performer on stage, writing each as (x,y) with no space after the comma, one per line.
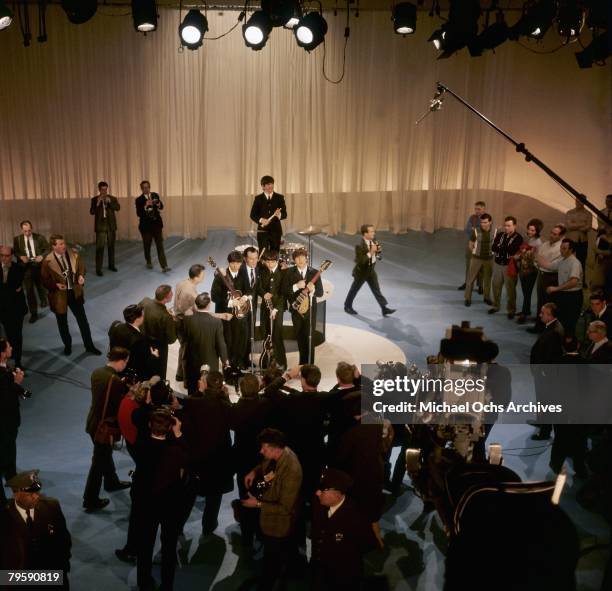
(298,278)
(148,206)
(103,207)
(270,290)
(367,252)
(249,273)
(267,212)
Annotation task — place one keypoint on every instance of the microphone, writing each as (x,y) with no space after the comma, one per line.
(435,104)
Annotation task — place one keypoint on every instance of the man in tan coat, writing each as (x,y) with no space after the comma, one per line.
(63,274)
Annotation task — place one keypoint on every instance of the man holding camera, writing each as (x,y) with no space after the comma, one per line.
(103,207)
(148,206)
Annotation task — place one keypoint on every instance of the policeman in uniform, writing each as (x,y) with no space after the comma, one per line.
(341,535)
(33,533)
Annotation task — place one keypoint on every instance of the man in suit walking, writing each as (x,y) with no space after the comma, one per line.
(267,212)
(367,253)
(63,274)
(103,207)
(148,207)
(33,532)
(202,335)
(296,279)
(31,248)
(12,301)
(270,289)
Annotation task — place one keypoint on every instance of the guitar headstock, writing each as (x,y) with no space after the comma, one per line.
(326,264)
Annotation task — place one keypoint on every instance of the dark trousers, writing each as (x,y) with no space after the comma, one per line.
(527,283)
(278,344)
(162,362)
(13,327)
(235,332)
(103,239)
(277,553)
(147,238)
(582,249)
(570,306)
(210,515)
(102,466)
(78,309)
(250,320)
(372,280)
(326,577)
(269,241)
(8,456)
(32,285)
(570,442)
(302,328)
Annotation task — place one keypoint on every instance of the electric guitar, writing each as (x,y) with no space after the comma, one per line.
(301,304)
(239,309)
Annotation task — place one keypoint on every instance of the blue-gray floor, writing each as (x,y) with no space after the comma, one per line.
(419,276)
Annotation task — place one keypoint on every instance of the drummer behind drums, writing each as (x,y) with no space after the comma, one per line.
(267,212)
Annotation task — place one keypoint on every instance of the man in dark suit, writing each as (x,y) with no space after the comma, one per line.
(12,301)
(148,206)
(10,417)
(367,253)
(600,350)
(547,350)
(601,311)
(202,335)
(267,211)
(235,330)
(144,358)
(341,535)
(103,207)
(250,272)
(33,532)
(296,279)
(159,325)
(107,391)
(63,274)
(31,248)
(270,289)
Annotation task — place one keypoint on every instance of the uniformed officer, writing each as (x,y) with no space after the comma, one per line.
(33,533)
(341,535)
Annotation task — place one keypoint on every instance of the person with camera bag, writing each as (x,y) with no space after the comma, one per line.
(148,206)
(107,390)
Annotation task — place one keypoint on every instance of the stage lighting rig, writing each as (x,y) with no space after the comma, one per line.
(438,38)
(79,11)
(192,29)
(144,14)
(310,31)
(462,26)
(536,20)
(404,18)
(257,30)
(569,19)
(282,13)
(491,37)
(6,16)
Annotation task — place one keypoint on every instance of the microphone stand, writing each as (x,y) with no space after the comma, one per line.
(252,336)
(310,327)
(529,157)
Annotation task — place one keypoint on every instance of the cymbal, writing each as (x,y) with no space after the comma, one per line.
(312,230)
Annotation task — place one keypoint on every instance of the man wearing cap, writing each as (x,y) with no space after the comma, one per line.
(33,533)
(341,535)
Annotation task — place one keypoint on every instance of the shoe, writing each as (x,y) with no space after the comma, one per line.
(539,436)
(93,350)
(488,302)
(521,319)
(119,485)
(492,310)
(123,555)
(96,505)
(467,304)
(510,315)
(33,318)
(67,350)
(114,269)
(461,287)
(535,330)
(387,311)
(149,265)
(349,310)
(166,270)
(99,273)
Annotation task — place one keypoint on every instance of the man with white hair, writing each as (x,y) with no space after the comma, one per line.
(600,350)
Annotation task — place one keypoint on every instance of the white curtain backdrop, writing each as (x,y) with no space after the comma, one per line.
(99,101)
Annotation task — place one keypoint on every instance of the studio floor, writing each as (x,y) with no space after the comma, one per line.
(419,275)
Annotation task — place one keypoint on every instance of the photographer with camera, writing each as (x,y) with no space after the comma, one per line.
(10,419)
(148,206)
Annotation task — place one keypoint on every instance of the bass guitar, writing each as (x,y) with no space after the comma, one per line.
(301,304)
(240,308)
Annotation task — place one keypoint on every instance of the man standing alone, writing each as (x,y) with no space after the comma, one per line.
(103,207)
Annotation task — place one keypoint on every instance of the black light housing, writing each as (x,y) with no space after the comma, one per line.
(462,26)
(569,19)
(79,11)
(144,14)
(404,18)
(597,50)
(310,31)
(281,12)
(438,38)
(6,16)
(192,29)
(491,37)
(257,30)
(535,21)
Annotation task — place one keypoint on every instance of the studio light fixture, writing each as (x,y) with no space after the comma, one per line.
(404,18)
(461,28)
(536,20)
(79,11)
(296,15)
(310,31)
(257,30)
(491,37)
(144,14)
(6,16)
(282,13)
(598,50)
(193,29)
(569,19)
(438,37)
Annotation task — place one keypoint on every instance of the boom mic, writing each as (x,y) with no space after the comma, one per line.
(435,104)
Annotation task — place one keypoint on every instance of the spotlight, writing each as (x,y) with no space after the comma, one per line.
(536,20)
(144,14)
(282,13)
(404,18)
(6,16)
(79,11)
(192,29)
(596,51)
(493,36)
(296,15)
(438,37)
(462,26)
(569,19)
(310,31)
(257,30)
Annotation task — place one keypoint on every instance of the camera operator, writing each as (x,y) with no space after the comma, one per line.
(159,496)
(10,419)
(160,396)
